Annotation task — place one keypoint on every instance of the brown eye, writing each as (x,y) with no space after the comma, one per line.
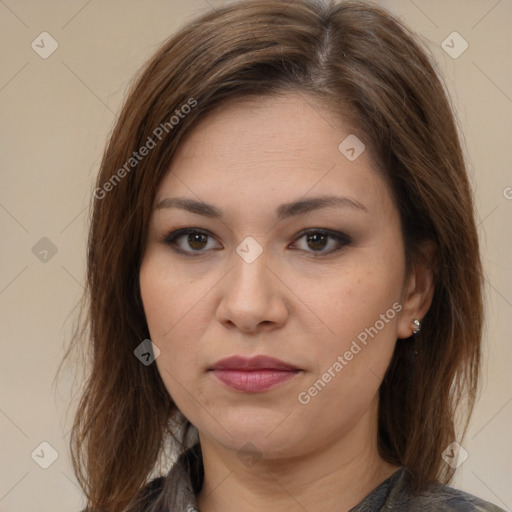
(317,241)
(322,242)
(190,241)
(197,241)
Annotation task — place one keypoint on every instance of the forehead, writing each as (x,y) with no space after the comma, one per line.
(278,147)
(291,126)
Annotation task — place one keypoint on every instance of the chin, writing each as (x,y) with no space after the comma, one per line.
(271,439)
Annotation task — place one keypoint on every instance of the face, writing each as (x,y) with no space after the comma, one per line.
(317,285)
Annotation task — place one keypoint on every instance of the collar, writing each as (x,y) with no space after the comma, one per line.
(185,479)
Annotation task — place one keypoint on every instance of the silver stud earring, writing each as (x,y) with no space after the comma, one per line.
(416,326)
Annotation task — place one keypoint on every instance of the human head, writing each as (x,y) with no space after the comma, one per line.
(365,67)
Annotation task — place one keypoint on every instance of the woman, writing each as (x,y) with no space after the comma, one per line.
(284,277)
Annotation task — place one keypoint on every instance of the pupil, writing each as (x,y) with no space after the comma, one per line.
(315,239)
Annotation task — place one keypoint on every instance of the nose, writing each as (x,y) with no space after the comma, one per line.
(252,297)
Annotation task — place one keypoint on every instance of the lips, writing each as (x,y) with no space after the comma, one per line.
(252,363)
(255,374)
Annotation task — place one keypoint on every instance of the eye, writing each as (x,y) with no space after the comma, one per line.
(317,241)
(182,240)
(320,239)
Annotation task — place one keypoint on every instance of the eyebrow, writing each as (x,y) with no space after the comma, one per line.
(284,211)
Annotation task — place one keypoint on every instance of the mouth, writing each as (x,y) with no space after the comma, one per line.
(255,374)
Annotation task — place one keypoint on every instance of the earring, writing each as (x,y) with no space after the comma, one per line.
(416,326)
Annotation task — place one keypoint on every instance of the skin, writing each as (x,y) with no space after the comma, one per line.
(301,302)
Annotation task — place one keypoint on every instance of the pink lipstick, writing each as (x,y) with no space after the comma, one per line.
(253,375)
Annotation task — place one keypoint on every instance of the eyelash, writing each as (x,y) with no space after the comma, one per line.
(172,237)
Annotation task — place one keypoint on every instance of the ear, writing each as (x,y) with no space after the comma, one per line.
(418,289)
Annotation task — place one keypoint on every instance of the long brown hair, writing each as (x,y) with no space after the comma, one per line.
(369,69)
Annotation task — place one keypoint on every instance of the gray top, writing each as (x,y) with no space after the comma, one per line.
(177,492)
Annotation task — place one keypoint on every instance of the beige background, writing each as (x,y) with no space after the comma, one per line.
(55,116)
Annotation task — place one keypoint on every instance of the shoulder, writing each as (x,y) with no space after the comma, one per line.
(443,498)
(150,496)
(154,487)
(448,499)
(155,484)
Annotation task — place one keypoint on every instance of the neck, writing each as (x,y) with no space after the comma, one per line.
(332,476)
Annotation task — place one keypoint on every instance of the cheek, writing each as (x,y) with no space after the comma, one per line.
(354,299)
(168,298)
(359,309)
(175,312)
(350,365)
